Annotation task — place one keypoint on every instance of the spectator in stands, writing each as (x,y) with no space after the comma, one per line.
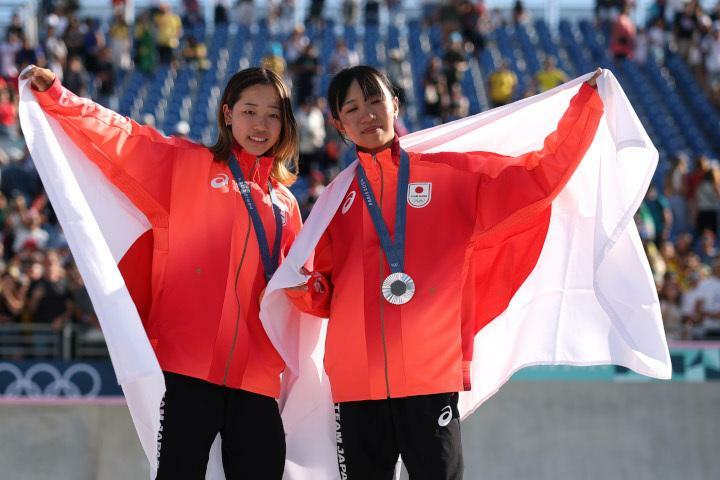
(54,64)
(685,25)
(245,13)
(221,12)
(502,85)
(448,15)
(454,60)
(711,49)
(76,78)
(349,11)
(398,71)
(16,26)
(372,12)
(74,38)
(83,313)
(436,97)
(672,262)
(642,46)
(707,305)
(305,72)
(707,249)
(470,25)
(145,47)
(105,78)
(275,61)
(29,54)
(8,114)
(20,184)
(13,294)
(519,14)
(707,197)
(30,235)
(671,308)
(311,132)
(195,53)
(550,76)
(296,43)
(282,17)
(605,11)
(120,41)
(94,42)
(343,57)
(676,192)
(192,14)
(169,31)
(49,300)
(9,47)
(661,215)
(459,104)
(657,42)
(57,19)
(688,303)
(622,39)
(55,47)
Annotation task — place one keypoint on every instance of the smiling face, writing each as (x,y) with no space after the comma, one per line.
(368,122)
(255,119)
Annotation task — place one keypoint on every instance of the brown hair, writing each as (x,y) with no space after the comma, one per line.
(285,151)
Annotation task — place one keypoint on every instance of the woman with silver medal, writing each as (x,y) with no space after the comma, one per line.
(389,273)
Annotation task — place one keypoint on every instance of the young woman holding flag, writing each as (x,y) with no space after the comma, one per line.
(390,272)
(222,219)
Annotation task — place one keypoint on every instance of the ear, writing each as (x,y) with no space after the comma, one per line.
(227,113)
(338,126)
(396,107)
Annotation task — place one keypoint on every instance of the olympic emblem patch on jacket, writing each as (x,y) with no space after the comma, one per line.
(419,194)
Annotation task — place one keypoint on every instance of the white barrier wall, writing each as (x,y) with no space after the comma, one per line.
(530,430)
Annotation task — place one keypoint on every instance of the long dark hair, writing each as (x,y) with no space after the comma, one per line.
(285,151)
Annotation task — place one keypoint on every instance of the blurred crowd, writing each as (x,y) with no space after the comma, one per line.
(679,26)
(39,283)
(678,223)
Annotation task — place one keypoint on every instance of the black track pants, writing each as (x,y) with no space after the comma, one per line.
(424,429)
(194,411)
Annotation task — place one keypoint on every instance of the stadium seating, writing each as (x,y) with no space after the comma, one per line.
(668,99)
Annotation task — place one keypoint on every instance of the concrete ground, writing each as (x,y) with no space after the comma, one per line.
(530,430)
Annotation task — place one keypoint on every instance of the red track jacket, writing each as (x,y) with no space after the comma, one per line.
(456,201)
(197,275)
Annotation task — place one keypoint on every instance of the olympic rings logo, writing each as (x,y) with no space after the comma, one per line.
(62,384)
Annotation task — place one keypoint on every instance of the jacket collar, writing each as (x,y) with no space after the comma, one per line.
(255,169)
(389,157)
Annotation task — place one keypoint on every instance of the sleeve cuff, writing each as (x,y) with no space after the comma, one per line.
(52,95)
(590,97)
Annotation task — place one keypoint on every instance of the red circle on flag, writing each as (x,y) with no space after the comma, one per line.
(419,189)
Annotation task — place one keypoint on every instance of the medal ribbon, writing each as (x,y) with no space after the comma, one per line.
(394,251)
(270,262)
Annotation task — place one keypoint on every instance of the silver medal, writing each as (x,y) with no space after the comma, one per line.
(398,288)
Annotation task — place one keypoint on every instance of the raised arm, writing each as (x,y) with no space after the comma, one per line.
(136,158)
(512,189)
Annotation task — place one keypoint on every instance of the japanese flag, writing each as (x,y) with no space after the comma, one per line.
(589,298)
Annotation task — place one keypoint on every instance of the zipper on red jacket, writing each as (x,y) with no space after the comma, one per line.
(382,299)
(237,296)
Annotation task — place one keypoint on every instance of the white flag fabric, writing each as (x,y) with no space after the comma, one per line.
(101,225)
(589,300)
